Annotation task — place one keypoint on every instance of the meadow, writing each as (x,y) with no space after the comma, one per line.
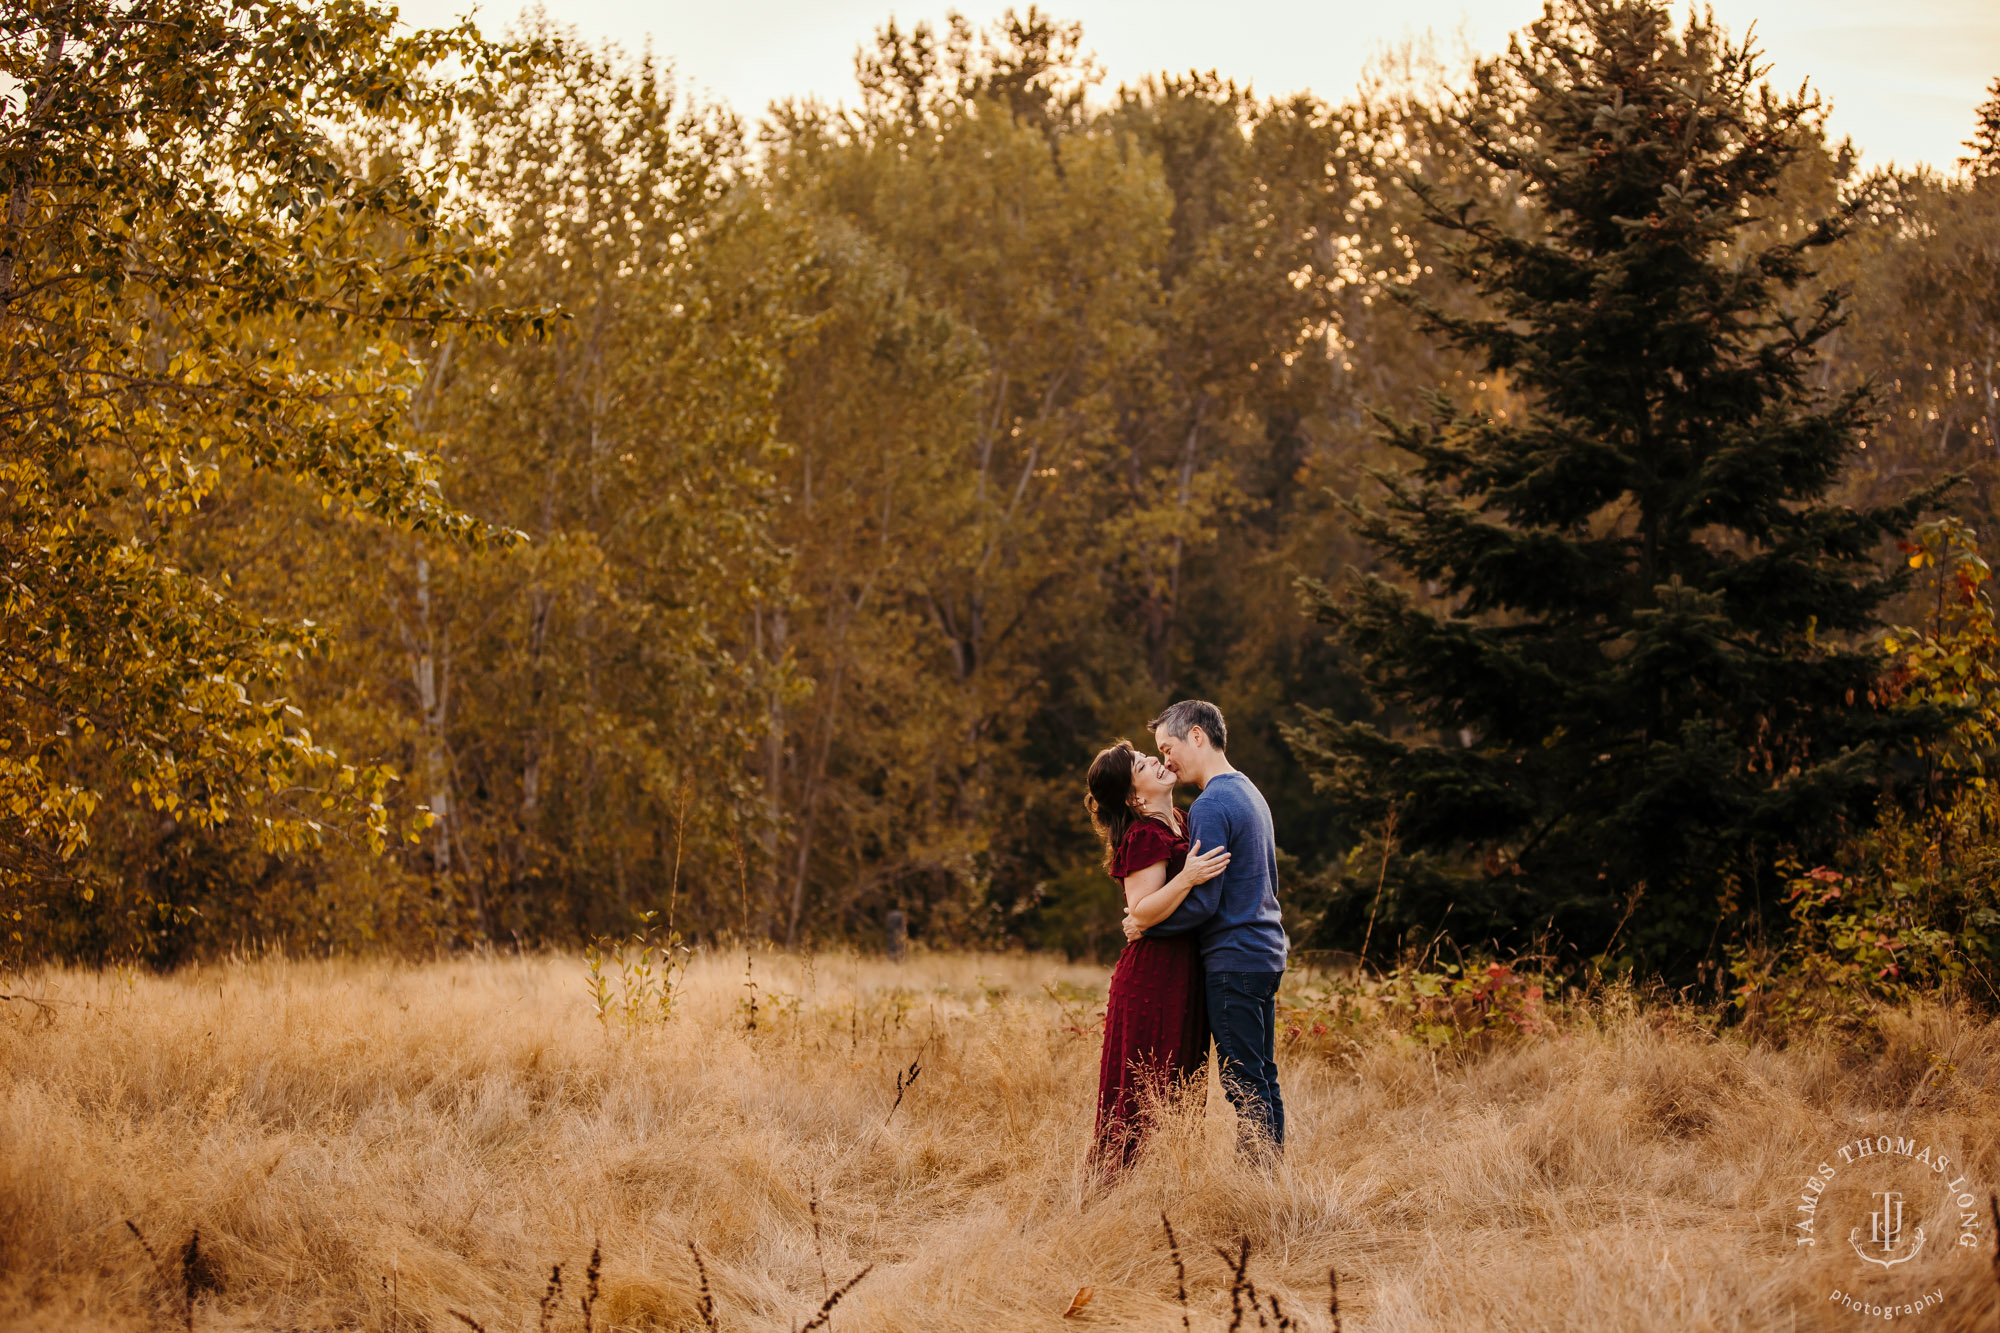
(375,1146)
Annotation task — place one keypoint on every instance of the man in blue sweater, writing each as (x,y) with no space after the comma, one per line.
(1243,945)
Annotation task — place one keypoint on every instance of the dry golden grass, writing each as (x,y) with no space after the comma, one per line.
(369,1146)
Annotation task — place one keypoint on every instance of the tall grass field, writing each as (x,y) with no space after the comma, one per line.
(850,1143)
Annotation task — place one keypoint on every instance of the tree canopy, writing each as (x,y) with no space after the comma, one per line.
(470,489)
(187,235)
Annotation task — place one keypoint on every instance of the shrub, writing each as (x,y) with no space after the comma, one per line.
(1915,907)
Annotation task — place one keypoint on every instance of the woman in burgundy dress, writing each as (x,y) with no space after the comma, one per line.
(1155,1021)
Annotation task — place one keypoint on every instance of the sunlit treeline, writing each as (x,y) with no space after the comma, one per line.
(758,520)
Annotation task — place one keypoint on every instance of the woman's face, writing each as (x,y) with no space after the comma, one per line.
(1151,779)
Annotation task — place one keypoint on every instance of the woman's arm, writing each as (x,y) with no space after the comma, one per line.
(1142,884)
(1150,897)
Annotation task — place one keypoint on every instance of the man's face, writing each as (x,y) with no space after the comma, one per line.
(1176,751)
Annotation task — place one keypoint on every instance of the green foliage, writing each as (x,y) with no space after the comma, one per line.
(574,709)
(649,964)
(182,225)
(771,538)
(583,705)
(1953,664)
(1049,446)
(1623,663)
(1916,910)
(1850,946)
(1464,1008)
(833,506)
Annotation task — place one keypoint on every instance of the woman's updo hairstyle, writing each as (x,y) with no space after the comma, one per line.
(1108,795)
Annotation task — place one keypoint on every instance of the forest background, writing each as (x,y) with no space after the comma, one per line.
(468,492)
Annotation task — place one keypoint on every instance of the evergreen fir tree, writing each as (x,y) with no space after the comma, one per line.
(1628,671)
(1985,140)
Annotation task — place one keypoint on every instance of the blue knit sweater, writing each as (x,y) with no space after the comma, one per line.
(1236,913)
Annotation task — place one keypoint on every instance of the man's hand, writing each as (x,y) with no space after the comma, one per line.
(1204,866)
(1133,930)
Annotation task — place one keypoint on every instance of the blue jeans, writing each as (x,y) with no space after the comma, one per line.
(1243,1014)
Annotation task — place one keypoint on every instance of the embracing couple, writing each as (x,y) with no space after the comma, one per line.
(1206,949)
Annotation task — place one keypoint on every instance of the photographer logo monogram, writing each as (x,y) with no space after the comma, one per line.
(1885,1228)
(1885,1200)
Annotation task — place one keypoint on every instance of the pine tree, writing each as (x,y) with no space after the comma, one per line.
(1627,672)
(1985,140)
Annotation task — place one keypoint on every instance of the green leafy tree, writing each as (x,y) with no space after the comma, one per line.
(1027,245)
(1059,442)
(577,710)
(1622,677)
(1289,237)
(859,772)
(609,701)
(182,225)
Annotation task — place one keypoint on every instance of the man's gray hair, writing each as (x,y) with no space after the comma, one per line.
(1183,717)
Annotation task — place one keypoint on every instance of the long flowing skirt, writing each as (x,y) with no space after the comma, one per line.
(1155,1042)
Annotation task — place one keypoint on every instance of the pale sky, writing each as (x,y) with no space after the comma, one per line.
(1903,76)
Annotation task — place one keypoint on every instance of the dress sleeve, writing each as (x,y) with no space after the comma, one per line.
(1146,844)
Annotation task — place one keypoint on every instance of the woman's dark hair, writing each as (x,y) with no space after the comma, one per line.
(1108,796)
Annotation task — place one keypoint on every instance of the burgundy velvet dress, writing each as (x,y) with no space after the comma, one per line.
(1156,1014)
